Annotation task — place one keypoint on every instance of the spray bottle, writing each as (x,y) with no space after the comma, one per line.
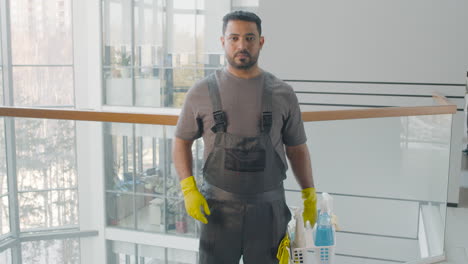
(299,240)
(324,232)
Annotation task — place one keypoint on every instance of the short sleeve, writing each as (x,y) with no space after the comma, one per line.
(293,132)
(189,125)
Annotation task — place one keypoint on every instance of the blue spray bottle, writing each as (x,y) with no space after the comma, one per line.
(324,233)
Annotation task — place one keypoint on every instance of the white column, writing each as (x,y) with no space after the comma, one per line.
(89,144)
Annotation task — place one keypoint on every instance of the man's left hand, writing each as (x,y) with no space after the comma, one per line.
(310,206)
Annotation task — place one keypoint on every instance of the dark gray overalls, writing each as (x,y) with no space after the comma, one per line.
(244,189)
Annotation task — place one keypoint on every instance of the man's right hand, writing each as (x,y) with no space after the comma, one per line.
(194,200)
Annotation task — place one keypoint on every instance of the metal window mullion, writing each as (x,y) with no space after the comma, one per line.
(153,139)
(49,229)
(188,11)
(63,234)
(10,144)
(140,154)
(168,25)
(136,254)
(6,53)
(132,50)
(43,65)
(195,36)
(105,28)
(152,195)
(134,174)
(49,190)
(140,31)
(166,170)
(125,155)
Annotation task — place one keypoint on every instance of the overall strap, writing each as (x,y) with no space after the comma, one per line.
(267,115)
(219,117)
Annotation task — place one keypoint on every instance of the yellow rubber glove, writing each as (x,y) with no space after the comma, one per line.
(283,253)
(310,206)
(194,200)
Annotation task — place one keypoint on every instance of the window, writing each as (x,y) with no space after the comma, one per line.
(46,172)
(5,256)
(124,252)
(42,55)
(43,151)
(142,190)
(154,54)
(65,251)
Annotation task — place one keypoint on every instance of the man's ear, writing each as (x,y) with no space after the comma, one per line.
(222,40)
(262,41)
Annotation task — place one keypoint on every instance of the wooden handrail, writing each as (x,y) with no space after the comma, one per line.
(444,107)
(440,99)
(377,112)
(81,115)
(171,120)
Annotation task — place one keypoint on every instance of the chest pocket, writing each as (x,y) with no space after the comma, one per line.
(244,161)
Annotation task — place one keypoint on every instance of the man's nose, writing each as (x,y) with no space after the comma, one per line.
(242,44)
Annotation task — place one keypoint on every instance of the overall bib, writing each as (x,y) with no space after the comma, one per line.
(244,190)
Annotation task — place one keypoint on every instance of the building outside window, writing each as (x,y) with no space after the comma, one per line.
(39,73)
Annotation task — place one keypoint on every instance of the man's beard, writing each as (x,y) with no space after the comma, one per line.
(245,64)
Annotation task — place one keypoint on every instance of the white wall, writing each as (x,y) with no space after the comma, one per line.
(387,41)
(367,40)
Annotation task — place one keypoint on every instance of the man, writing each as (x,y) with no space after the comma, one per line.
(247,118)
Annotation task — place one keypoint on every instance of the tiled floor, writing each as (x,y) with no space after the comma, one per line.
(456,234)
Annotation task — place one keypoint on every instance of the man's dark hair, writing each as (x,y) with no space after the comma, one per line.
(244,16)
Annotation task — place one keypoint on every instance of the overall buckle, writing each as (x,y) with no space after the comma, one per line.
(220,121)
(267,121)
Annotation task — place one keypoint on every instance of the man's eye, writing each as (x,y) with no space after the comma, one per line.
(250,38)
(234,38)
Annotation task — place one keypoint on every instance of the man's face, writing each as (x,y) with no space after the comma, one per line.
(242,44)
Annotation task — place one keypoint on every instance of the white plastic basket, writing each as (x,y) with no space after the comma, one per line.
(302,256)
(314,254)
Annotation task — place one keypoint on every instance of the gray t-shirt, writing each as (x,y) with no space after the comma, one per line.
(241,100)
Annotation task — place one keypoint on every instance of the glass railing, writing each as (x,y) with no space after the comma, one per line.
(389,178)
(388,175)
(124,252)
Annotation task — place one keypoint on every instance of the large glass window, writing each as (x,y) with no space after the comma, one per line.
(42,57)
(155,53)
(65,251)
(46,172)
(42,71)
(247,5)
(43,86)
(5,257)
(43,151)
(142,190)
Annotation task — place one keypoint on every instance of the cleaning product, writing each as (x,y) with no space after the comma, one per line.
(308,235)
(324,230)
(299,240)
